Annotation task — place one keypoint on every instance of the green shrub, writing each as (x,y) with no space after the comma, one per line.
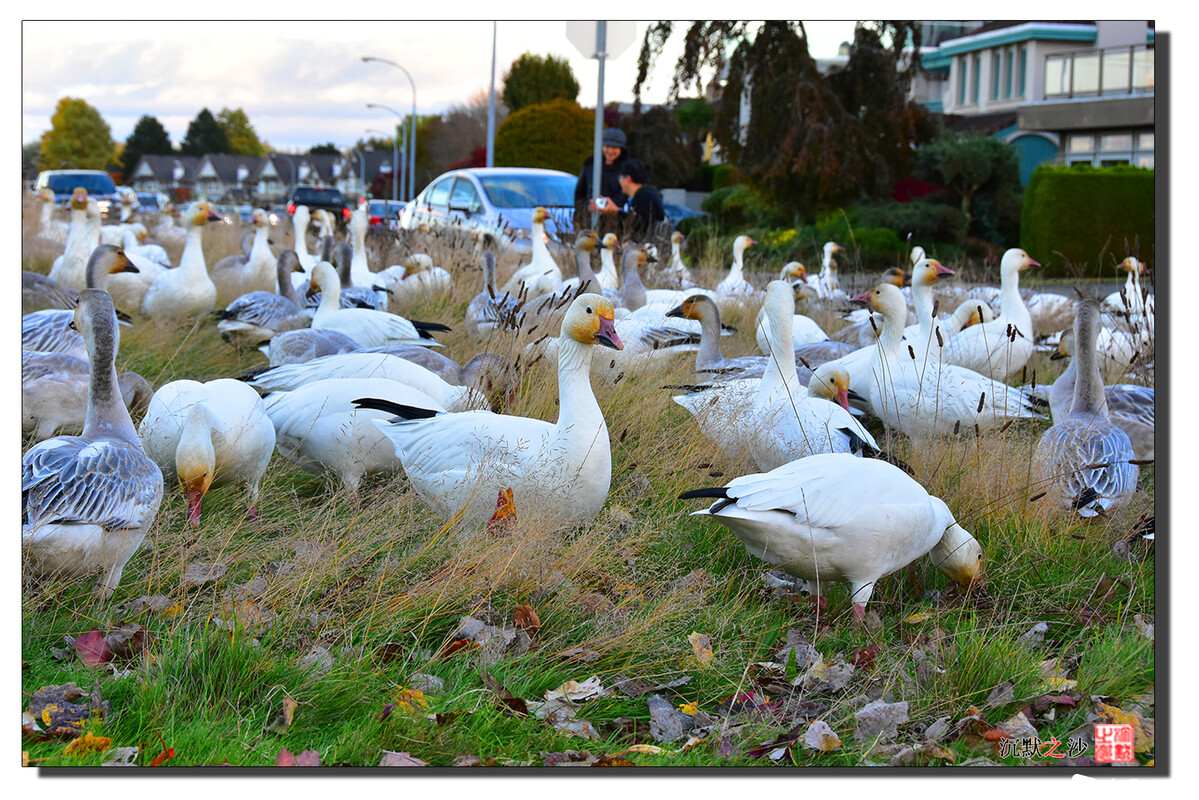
(1070,213)
(724,175)
(927,221)
(554,135)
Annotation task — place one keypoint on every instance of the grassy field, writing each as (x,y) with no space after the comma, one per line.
(331,624)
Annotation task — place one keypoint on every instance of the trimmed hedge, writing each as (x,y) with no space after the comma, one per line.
(554,135)
(1073,211)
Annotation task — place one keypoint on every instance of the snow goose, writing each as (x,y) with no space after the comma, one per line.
(489,372)
(924,397)
(341,256)
(256,317)
(928,330)
(305,344)
(1002,346)
(115,234)
(53,330)
(134,243)
(318,429)
(734,290)
(1131,300)
(83,236)
(826,284)
(542,274)
(709,358)
(804,330)
(188,283)
(300,221)
(676,275)
(241,274)
(1130,407)
(586,280)
(561,472)
(206,435)
(87,501)
(609,276)
(489,312)
(416,282)
(54,389)
(289,377)
(833,517)
(1083,461)
(367,327)
(361,274)
(50,230)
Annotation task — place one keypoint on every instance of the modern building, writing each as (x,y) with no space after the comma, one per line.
(1059,92)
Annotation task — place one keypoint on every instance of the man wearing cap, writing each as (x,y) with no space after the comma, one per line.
(614,154)
(643,211)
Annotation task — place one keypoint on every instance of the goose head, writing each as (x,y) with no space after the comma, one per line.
(676,238)
(929,271)
(829,249)
(139,232)
(897,276)
(45,195)
(324,277)
(610,242)
(107,259)
(830,382)
(79,199)
(590,320)
(260,219)
(586,241)
(740,243)
(1016,260)
(417,262)
(359,221)
(697,306)
(958,555)
(1065,346)
(1132,265)
(793,271)
(195,460)
(199,213)
(885,299)
(917,255)
(540,215)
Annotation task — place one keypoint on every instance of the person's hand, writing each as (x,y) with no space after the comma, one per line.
(609,206)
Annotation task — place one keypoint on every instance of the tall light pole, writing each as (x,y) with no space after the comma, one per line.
(398,127)
(395,154)
(491,103)
(411,126)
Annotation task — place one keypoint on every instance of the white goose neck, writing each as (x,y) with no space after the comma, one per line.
(192,258)
(576,400)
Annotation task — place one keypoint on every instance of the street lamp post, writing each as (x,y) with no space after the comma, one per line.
(411,126)
(395,155)
(396,139)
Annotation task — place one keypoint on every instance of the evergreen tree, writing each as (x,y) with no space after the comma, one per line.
(148,138)
(535,79)
(327,149)
(78,138)
(204,135)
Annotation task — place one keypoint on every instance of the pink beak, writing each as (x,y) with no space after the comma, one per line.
(863,299)
(943,271)
(843,398)
(606,335)
(195,501)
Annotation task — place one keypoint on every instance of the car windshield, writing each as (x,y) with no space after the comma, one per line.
(528,191)
(318,196)
(94,184)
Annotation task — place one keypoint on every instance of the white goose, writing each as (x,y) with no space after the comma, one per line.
(290,377)
(361,274)
(1129,406)
(87,501)
(609,277)
(50,230)
(676,275)
(206,435)
(256,317)
(926,397)
(1131,299)
(300,221)
(54,390)
(1002,346)
(734,290)
(53,330)
(367,327)
(560,472)
(83,236)
(133,242)
(318,429)
(542,274)
(804,329)
(488,310)
(826,284)
(241,274)
(833,517)
(1082,462)
(413,284)
(187,284)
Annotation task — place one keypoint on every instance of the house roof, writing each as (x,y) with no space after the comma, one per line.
(162,167)
(979,124)
(227,166)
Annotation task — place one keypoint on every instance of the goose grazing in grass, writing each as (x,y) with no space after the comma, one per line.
(241,274)
(206,435)
(1002,346)
(83,237)
(53,330)
(1130,407)
(256,317)
(542,274)
(305,344)
(367,327)
(561,471)
(489,312)
(1082,462)
(87,501)
(834,517)
(924,397)
(54,390)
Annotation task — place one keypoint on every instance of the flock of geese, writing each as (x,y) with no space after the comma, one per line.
(355,388)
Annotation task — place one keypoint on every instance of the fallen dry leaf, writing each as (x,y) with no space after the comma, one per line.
(308,758)
(820,736)
(701,645)
(393,759)
(284,718)
(865,656)
(526,619)
(122,757)
(198,574)
(93,649)
(1142,728)
(87,744)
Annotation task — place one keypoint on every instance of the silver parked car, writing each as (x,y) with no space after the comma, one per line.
(499,201)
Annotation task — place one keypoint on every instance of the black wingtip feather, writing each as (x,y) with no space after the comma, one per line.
(399,409)
(859,445)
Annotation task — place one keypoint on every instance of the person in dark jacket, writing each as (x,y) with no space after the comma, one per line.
(643,212)
(614,152)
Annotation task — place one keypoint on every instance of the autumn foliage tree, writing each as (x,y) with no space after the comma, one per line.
(239,133)
(78,138)
(813,141)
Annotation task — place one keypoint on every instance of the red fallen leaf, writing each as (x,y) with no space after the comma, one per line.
(865,656)
(309,758)
(995,734)
(163,756)
(386,712)
(93,649)
(456,646)
(526,619)
(285,758)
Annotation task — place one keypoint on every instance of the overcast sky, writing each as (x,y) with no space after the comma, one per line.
(304,83)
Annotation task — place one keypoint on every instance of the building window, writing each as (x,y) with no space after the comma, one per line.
(995,75)
(962,75)
(1007,73)
(1145,161)
(1117,71)
(1115,142)
(1057,75)
(976,66)
(1020,70)
(1145,141)
(1080,143)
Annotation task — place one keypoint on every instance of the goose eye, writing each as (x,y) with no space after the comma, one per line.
(71,325)
(588,309)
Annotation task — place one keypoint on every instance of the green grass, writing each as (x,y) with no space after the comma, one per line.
(352,576)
